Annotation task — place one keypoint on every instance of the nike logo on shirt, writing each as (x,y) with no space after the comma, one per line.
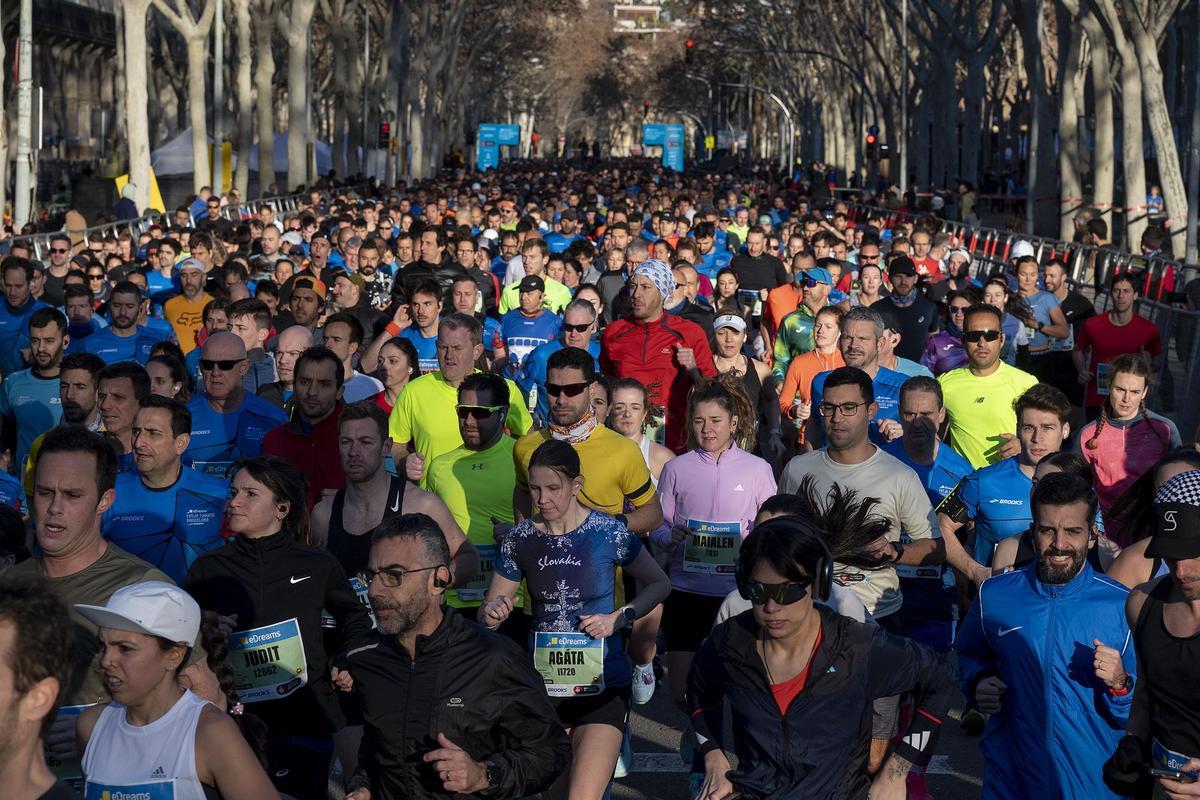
(396,503)
(294,579)
(1005,631)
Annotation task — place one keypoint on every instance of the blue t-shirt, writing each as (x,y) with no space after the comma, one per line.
(112,348)
(714,262)
(12,493)
(997,499)
(169,527)
(220,439)
(34,403)
(522,334)
(558,242)
(909,368)
(571,576)
(887,395)
(14,334)
(426,347)
(81,333)
(1042,303)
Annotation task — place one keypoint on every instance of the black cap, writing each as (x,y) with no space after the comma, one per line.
(570,214)
(1177,518)
(902,265)
(531,283)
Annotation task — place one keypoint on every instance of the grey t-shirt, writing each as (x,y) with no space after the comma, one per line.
(92,585)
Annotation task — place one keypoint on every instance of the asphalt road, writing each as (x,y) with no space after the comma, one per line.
(955,774)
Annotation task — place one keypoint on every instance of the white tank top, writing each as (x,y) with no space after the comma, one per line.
(645,446)
(154,762)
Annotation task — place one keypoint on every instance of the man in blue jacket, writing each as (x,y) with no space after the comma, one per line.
(1046,650)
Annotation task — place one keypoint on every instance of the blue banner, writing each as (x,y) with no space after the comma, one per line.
(673,148)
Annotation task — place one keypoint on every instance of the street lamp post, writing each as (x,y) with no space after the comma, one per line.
(791,148)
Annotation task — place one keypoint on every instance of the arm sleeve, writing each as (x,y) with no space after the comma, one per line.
(897,665)
(782,351)
(704,699)
(1118,707)
(535,748)
(791,388)
(781,276)
(915,508)
(661,535)
(400,420)
(703,354)
(361,779)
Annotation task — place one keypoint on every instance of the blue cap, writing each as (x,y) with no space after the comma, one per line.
(818,274)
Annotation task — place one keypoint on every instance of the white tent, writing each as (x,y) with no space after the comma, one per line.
(175,157)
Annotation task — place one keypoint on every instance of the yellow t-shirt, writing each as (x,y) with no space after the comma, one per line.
(477,486)
(185,317)
(612,466)
(556,297)
(424,415)
(980,409)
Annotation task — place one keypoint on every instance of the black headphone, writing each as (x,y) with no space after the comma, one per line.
(438,580)
(822,571)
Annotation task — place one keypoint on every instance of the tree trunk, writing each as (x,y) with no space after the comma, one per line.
(119,112)
(297,32)
(197,58)
(1071,188)
(972,94)
(264,104)
(245,104)
(137,122)
(1170,175)
(1103,160)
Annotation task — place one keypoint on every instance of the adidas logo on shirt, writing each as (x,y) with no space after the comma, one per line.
(159,772)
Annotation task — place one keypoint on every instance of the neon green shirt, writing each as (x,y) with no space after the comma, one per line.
(980,409)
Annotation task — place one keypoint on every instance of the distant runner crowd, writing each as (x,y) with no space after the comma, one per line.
(413,493)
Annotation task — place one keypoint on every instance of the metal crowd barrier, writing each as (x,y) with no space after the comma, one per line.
(1086,264)
(282,204)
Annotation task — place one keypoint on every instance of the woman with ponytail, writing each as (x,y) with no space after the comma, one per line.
(1127,439)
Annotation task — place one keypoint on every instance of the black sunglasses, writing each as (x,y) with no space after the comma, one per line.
(477,412)
(975,336)
(208,365)
(59,250)
(566,326)
(569,389)
(784,594)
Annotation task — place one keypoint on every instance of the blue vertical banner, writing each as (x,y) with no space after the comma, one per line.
(487,147)
(672,157)
(488,140)
(654,134)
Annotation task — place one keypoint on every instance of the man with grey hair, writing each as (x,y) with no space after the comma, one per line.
(578,330)
(861,341)
(288,347)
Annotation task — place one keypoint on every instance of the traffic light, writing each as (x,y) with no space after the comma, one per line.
(645,109)
(385,135)
(688,47)
(872,146)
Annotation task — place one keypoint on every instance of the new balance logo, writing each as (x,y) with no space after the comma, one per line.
(917,741)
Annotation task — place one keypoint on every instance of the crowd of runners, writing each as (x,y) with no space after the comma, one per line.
(434,483)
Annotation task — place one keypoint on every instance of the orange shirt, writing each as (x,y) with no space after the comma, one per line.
(798,380)
(185,318)
(781,301)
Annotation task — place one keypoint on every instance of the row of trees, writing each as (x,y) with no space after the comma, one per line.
(1062,81)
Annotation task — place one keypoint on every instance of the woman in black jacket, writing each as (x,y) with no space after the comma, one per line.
(800,680)
(270,588)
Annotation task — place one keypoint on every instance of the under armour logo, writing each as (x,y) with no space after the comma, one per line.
(477,466)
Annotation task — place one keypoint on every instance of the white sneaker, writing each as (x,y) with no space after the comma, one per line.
(643,683)
(625,759)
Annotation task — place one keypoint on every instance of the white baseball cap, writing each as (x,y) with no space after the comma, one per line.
(154,608)
(735,321)
(1021,249)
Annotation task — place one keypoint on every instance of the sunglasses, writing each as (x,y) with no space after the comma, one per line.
(974,337)
(784,594)
(566,326)
(569,389)
(476,412)
(95,277)
(956,310)
(208,365)
(808,283)
(58,250)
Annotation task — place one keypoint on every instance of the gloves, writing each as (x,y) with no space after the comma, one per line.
(1127,771)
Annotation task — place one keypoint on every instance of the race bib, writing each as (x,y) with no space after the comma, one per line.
(160,790)
(268,662)
(571,664)
(68,770)
(914,572)
(711,548)
(1103,373)
(474,590)
(218,468)
(360,591)
(1163,758)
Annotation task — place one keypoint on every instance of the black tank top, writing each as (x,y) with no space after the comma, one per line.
(751,381)
(351,549)
(1167,672)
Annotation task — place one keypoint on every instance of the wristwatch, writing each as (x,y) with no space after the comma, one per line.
(490,773)
(1040,325)
(629,615)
